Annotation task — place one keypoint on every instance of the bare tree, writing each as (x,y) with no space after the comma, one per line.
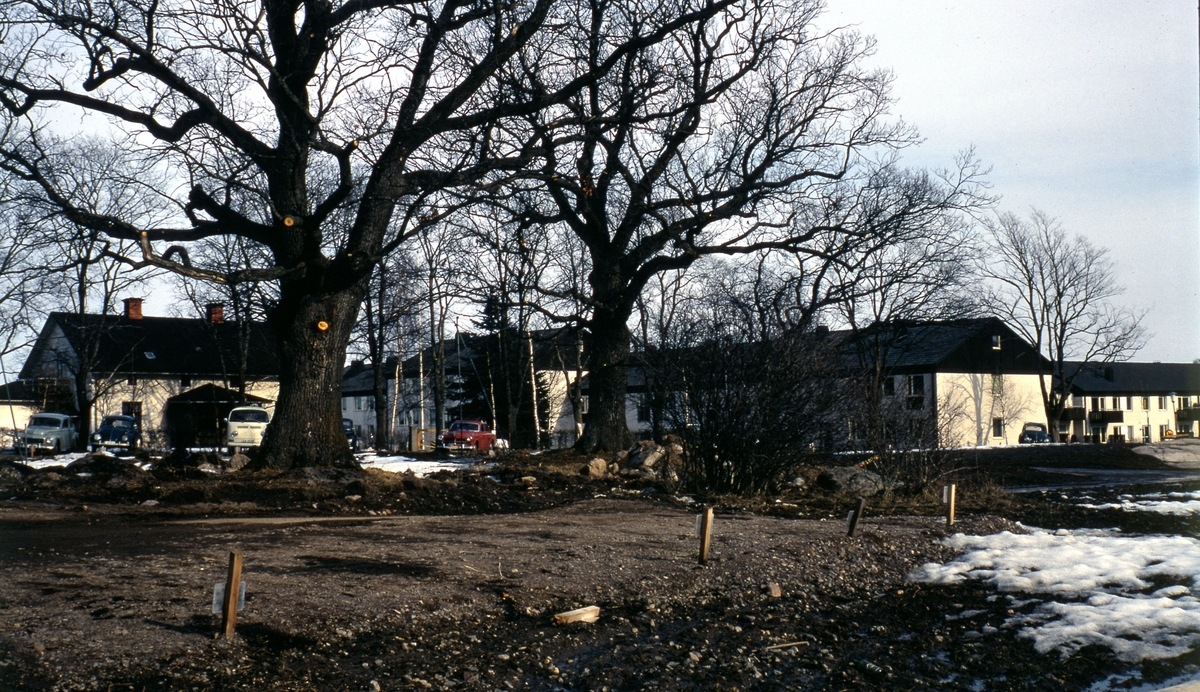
(251,102)
(1057,292)
(81,273)
(748,132)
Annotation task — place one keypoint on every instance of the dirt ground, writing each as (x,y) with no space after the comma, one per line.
(372,582)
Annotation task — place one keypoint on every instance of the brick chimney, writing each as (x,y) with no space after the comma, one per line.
(133,308)
(215,313)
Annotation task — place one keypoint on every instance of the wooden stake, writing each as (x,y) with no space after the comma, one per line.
(706,520)
(856,515)
(950,492)
(233,585)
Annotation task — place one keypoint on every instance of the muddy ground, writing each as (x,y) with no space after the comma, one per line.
(364,581)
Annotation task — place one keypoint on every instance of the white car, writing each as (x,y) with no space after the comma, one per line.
(245,428)
(52,431)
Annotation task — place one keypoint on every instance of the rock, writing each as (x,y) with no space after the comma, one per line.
(797,483)
(596,468)
(614,468)
(850,479)
(9,474)
(238,461)
(774,590)
(528,480)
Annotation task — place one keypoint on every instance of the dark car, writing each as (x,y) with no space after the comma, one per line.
(117,432)
(351,434)
(1033,433)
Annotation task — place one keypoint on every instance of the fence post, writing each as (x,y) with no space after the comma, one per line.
(233,584)
(706,519)
(856,515)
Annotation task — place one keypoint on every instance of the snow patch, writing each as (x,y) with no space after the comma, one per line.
(1099,581)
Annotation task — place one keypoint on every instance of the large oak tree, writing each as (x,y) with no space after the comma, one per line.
(752,131)
(271,117)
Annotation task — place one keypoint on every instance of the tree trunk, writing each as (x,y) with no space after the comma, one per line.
(606,429)
(312,332)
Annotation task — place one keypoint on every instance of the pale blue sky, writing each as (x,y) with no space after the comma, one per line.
(1087,110)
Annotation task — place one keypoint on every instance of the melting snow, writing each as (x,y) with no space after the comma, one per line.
(1180,504)
(1102,582)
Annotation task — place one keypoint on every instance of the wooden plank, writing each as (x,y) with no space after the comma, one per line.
(706,520)
(233,583)
(950,499)
(586,614)
(856,515)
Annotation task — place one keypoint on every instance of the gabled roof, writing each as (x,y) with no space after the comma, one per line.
(1137,378)
(943,346)
(16,392)
(357,377)
(157,346)
(212,394)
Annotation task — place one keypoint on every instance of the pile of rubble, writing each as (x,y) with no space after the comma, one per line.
(646,460)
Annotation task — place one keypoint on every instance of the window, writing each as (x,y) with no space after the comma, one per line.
(995,342)
(1145,403)
(1128,403)
(1064,428)
(1162,403)
(997,427)
(345,403)
(643,408)
(132,408)
(1097,403)
(916,403)
(185,383)
(1162,430)
(889,386)
(131,380)
(1145,433)
(1116,403)
(997,385)
(916,385)
(583,404)
(1077,401)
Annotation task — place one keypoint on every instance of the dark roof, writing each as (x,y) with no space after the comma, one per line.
(211,393)
(158,346)
(948,346)
(1136,378)
(358,377)
(16,392)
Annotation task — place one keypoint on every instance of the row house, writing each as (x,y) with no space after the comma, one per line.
(1133,402)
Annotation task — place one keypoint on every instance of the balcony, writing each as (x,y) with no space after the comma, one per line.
(1106,417)
(1074,413)
(1187,414)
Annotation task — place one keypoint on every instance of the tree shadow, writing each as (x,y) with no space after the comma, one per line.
(320,563)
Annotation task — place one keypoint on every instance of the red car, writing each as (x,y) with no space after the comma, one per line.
(467,435)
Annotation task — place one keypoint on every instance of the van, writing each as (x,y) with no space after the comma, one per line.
(245,428)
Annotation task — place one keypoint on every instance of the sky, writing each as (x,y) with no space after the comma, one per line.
(1086,110)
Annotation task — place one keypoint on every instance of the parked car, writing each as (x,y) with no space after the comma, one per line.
(245,428)
(351,434)
(1033,433)
(466,436)
(117,432)
(51,431)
